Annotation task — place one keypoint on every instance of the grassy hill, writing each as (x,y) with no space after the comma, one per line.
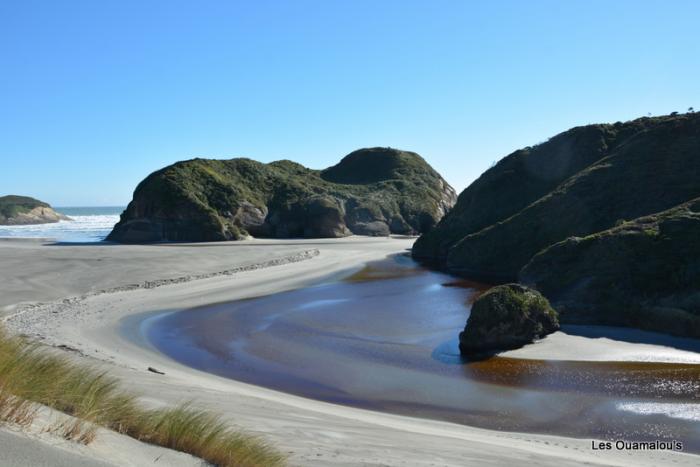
(23,210)
(644,272)
(373,191)
(579,183)
(12,205)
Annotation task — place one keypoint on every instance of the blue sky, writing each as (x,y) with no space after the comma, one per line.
(96,95)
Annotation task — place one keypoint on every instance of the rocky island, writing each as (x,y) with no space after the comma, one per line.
(602,219)
(507,317)
(23,210)
(375,191)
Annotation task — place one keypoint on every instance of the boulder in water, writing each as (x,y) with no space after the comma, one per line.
(507,317)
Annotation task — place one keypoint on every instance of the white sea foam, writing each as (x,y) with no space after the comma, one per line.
(83,228)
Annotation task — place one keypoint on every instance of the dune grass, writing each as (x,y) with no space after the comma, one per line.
(30,374)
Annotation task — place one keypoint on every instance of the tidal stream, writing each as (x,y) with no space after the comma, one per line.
(385,339)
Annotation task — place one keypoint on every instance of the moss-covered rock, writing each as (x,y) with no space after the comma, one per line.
(507,317)
(513,183)
(579,182)
(373,191)
(23,210)
(601,219)
(643,273)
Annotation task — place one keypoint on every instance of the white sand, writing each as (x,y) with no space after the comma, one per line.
(610,344)
(311,432)
(34,446)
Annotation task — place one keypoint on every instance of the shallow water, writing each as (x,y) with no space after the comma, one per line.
(385,339)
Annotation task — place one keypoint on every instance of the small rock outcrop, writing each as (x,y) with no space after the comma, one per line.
(375,191)
(23,210)
(507,317)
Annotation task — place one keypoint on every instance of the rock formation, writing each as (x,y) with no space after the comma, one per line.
(507,317)
(559,203)
(23,210)
(376,191)
(643,273)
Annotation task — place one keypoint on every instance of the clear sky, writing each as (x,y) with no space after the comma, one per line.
(95,95)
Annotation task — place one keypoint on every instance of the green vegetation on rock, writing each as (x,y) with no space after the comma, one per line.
(643,273)
(579,182)
(507,317)
(12,205)
(22,210)
(584,183)
(374,191)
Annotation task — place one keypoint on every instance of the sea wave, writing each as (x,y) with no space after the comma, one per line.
(90,228)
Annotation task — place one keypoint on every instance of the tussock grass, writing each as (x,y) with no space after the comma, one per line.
(75,429)
(205,435)
(15,410)
(29,374)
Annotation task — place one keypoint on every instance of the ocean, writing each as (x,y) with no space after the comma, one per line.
(88,224)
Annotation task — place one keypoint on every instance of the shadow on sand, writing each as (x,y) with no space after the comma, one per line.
(631,335)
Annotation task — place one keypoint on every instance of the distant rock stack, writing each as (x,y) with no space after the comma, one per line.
(23,210)
(376,191)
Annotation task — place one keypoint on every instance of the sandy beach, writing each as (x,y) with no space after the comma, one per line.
(89,298)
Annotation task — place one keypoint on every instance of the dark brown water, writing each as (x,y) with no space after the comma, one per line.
(385,339)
